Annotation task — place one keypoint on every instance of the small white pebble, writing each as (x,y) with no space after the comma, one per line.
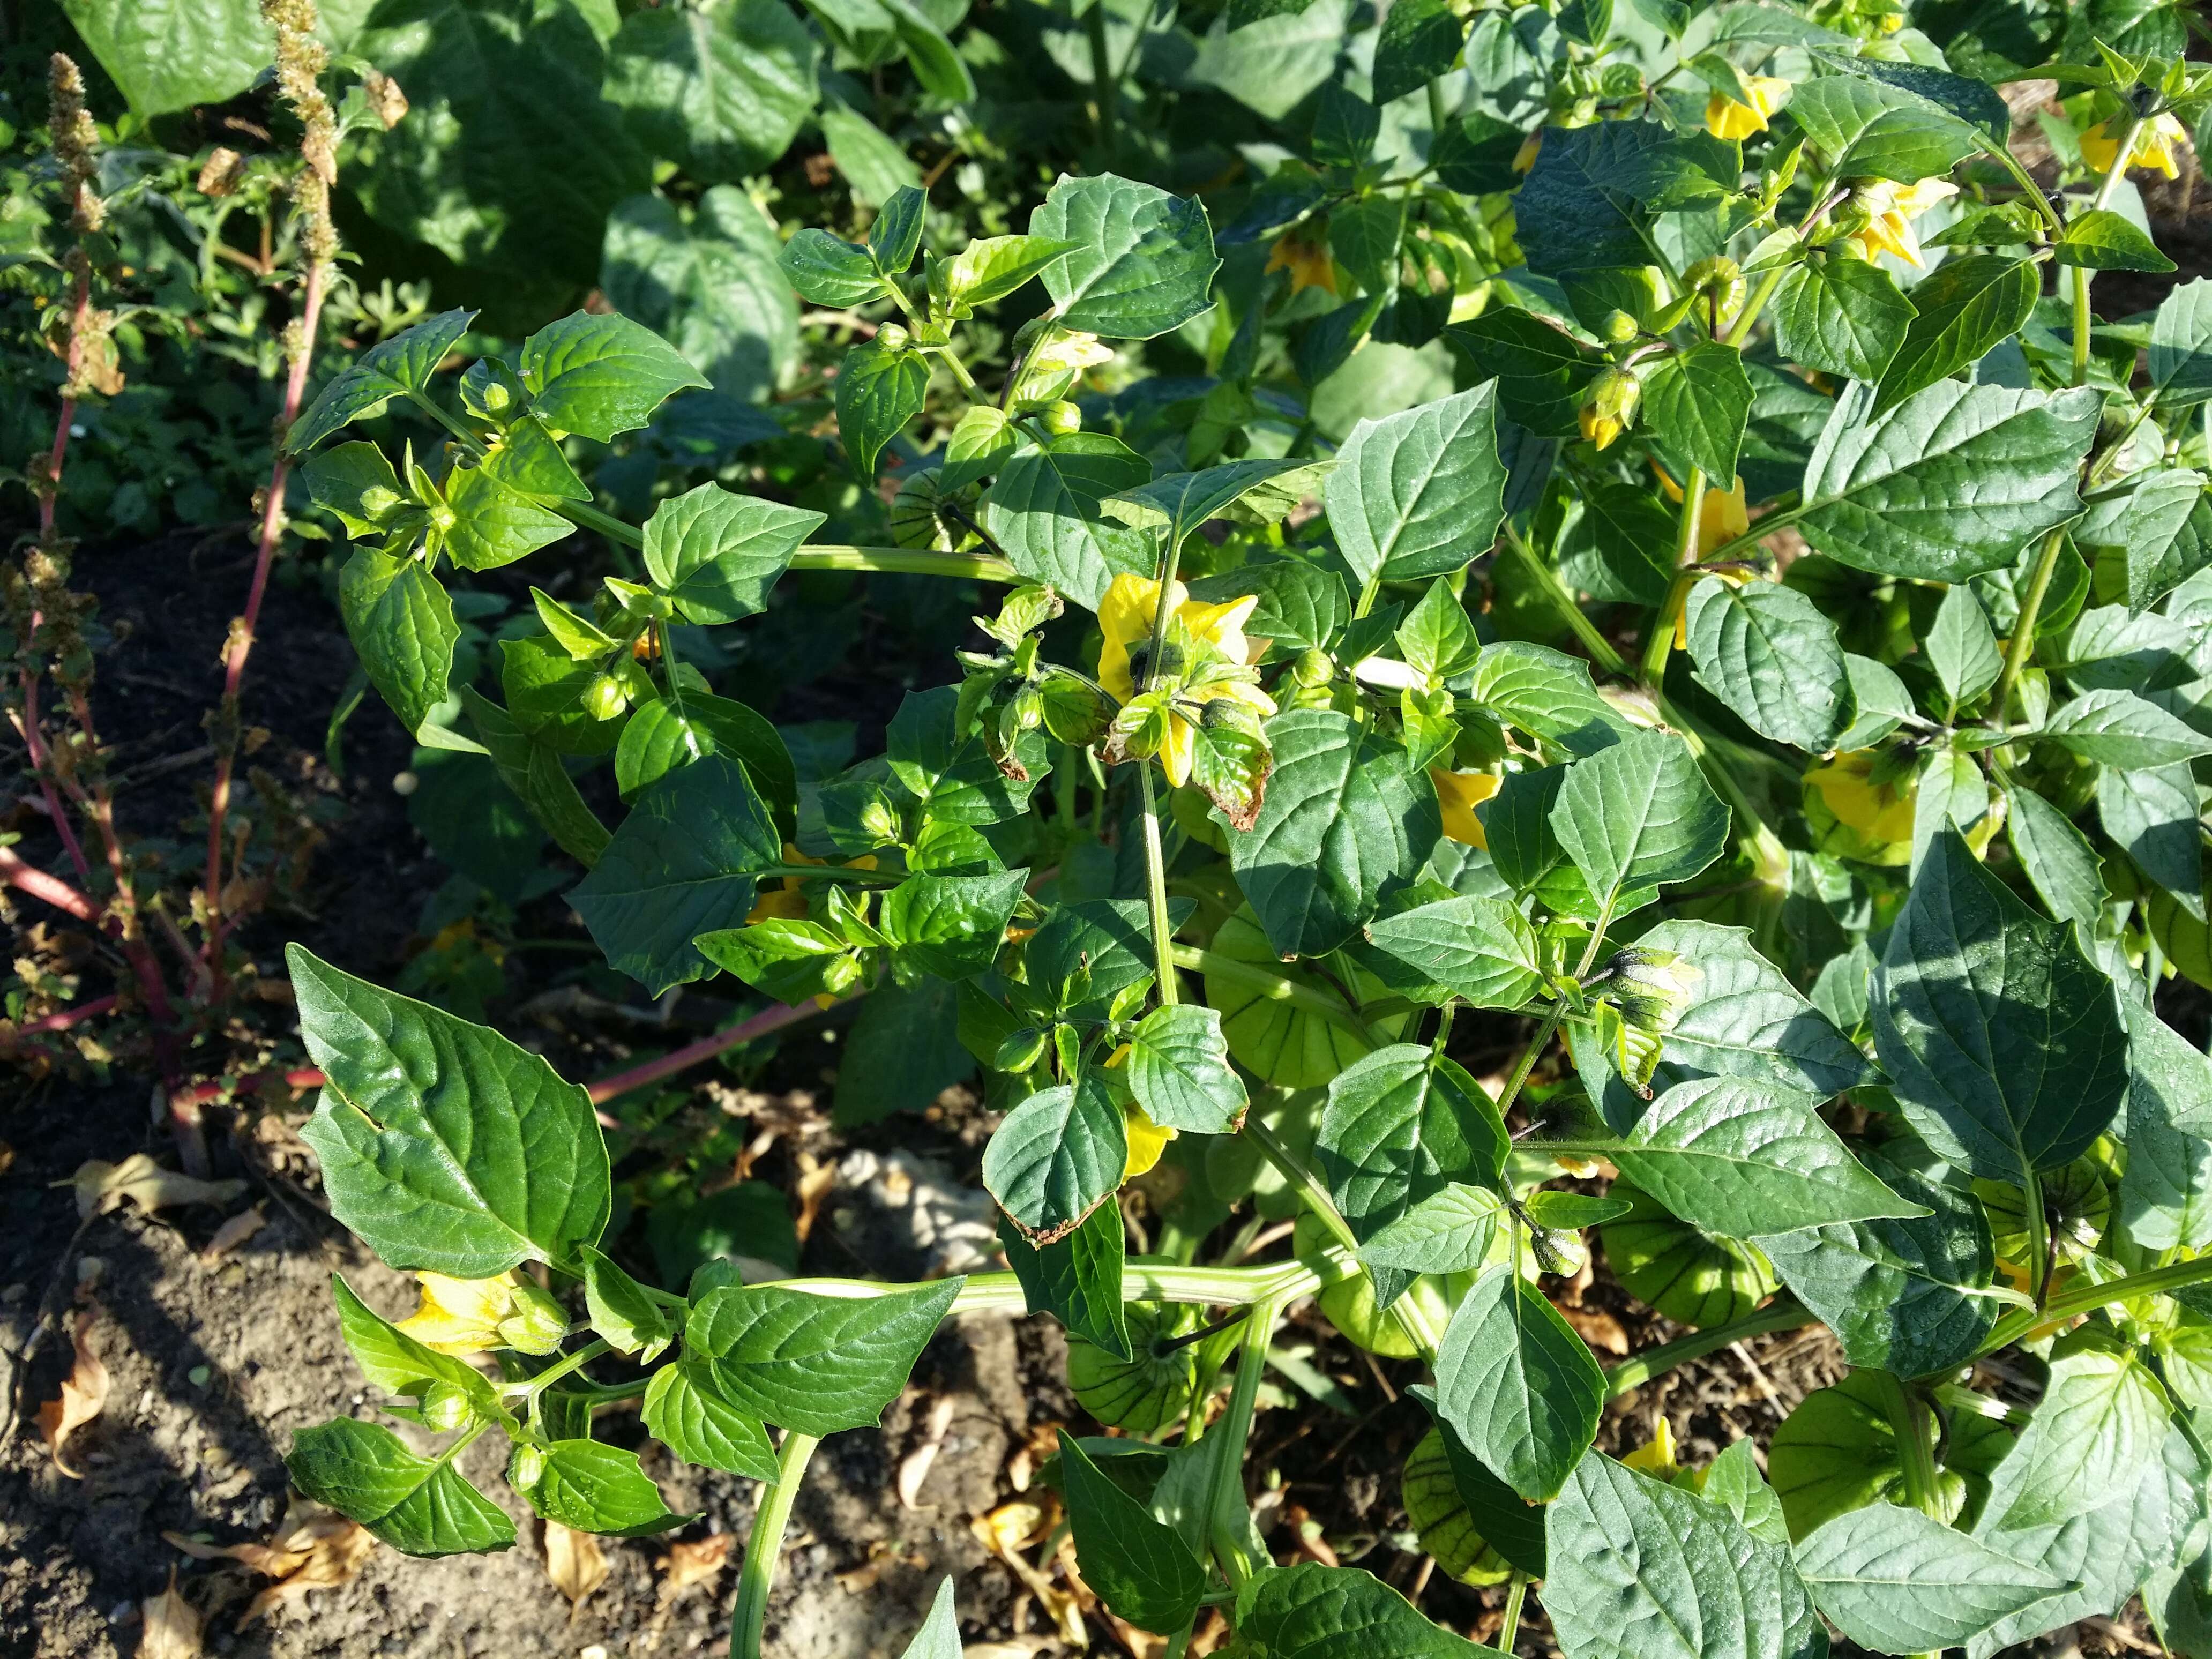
(405,783)
(77,430)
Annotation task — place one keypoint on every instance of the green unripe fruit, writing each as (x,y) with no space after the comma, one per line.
(1618,328)
(1313,668)
(538,1323)
(604,698)
(892,338)
(1062,418)
(445,1407)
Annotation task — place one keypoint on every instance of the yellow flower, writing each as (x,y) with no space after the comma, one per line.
(1524,159)
(1147,1140)
(1309,263)
(1610,405)
(460,1315)
(1880,812)
(1727,118)
(1599,429)
(788,903)
(1656,1457)
(1459,793)
(2153,146)
(1891,208)
(1125,617)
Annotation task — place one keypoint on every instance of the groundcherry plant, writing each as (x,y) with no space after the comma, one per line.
(1844,861)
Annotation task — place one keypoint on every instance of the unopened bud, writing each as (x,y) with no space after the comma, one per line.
(445,1407)
(841,974)
(527,1468)
(1614,395)
(879,821)
(1062,418)
(893,338)
(1313,668)
(604,698)
(1618,328)
(539,1321)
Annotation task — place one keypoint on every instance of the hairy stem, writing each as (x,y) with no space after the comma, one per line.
(1229,1436)
(1276,987)
(1156,891)
(1516,1592)
(766,1543)
(1908,1419)
(1685,556)
(1783,1314)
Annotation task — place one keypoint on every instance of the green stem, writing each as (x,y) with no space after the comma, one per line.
(2033,192)
(1600,647)
(1276,987)
(1156,891)
(2022,645)
(907,562)
(1908,1419)
(1105,85)
(1516,1593)
(532,1388)
(960,372)
(1231,1434)
(1144,1280)
(766,1543)
(1370,591)
(1740,330)
(591,518)
(1439,118)
(468,440)
(828,873)
(1783,1314)
(1537,1044)
(1678,593)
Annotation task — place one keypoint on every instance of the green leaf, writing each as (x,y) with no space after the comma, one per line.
(1400,1124)
(536,775)
(1962,648)
(1743,1159)
(2061,865)
(1540,369)
(1899,1294)
(708,283)
(1746,1020)
(813,1364)
(1519,1386)
(2181,346)
(1180,1073)
(1662,1573)
(445,1147)
(1732,1481)
(1769,654)
(401,623)
(2002,1040)
(903,1052)
(1638,815)
(600,376)
(1870,131)
(1044,510)
(1141,1569)
(1696,403)
(525,457)
(1057,1156)
(939,1635)
(936,64)
(2119,728)
(1436,640)
(2098,1426)
(1880,702)
(1546,694)
(1448,1231)
(1480,950)
(896,235)
(659,737)
(1363,235)
(622,1312)
(1090,951)
(1953,480)
(397,365)
(878,392)
(396,1363)
(418,1506)
(593,1487)
(354,482)
(870,160)
(1143,262)
(1077,1279)
(2160,528)
(950,926)
(1842,317)
(1965,305)
(1895,1581)
(2166,1193)
(1419,493)
(682,864)
(168,56)
(1417,43)
(830,271)
(685,1413)
(545,688)
(1312,1612)
(1252,491)
(992,267)
(981,445)
(1514,1529)
(495,525)
(2101,239)
(1839,1450)
(1288,1046)
(950,772)
(1344,813)
(721,93)
(716,553)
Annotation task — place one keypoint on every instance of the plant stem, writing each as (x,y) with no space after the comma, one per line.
(1678,593)
(530,1387)
(1516,1593)
(1600,647)
(1105,84)
(1156,891)
(2022,645)
(1231,1434)
(1783,1314)
(1916,1450)
(2039,1239)
(1533,1052)
(1276,987)
(907,562)
(766,1543)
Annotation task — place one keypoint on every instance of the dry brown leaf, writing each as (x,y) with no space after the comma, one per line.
(1599,1328)
(313,1548)
(913,1469)
(84,1393)
(815,1180)
(576,1564)
(686,1564)
(1022,1647)
(7,1158)
(173,1626)
(101,1187)
(233,1233)
(1041,1442)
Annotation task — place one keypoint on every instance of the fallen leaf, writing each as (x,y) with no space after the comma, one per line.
(815,1180)
(913,1469)
(233,1233)
(101,1187)
(1599,1328)
(1022,1647)
(1041,1442)
(84,1393)
(173,1626)
(1009,1527)
(576,1564)
(312,1548)
(686,1564)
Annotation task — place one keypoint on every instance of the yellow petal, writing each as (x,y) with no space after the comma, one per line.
(1174,753)
(1458,793)
(1722,516)
(1656,1457)
(2099,148)
(460,1315)
(1147,1140)
(1725,119)
(1245,692)
(1125,616)
(1221,625)
(1531,147)
(1880,811)
(1309,263)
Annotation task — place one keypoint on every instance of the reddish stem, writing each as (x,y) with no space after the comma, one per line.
(29,878)
(66,1018)
(41,759)
(241,635)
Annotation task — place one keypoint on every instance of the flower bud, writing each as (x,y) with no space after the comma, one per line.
(539,1321)
(841,974)
(604,698)
(446,1406)
(891,337)
(1313,668)
(1618,328)
(1717,278)
(879,821)
(527,1467)
(1651,988)
(1062,418)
